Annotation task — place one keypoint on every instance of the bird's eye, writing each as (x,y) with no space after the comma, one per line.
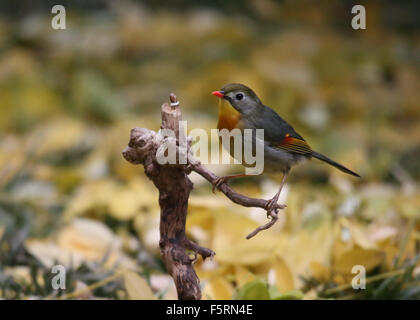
(239,96)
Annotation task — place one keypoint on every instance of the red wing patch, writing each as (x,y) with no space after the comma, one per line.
(294,145)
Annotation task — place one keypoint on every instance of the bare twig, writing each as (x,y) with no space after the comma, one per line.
(274,218)
(239,198)
(174,189)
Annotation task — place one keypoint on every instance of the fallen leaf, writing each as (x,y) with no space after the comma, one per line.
(289,295)
(281,276)
(255,290)
(368,258)
(218,288)
(320,272)
(137,288)
(243,275)
(230,230)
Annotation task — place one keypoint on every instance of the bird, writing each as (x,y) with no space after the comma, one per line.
(240,108)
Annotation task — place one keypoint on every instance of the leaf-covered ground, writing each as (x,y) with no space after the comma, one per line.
(69,98)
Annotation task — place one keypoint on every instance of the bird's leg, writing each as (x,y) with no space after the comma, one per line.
(220,180)
(272,203)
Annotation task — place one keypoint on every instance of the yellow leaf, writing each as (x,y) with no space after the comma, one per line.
(92,240)
(71,135)
(392,249)
(409,206)
(319,271)
(229,241)
(243,276)
(340,279)
(301,248)
(137,288)
(20,274)
(359,234)
(49,253)
(123,202)
(368,258)
(218,288)
(283,277)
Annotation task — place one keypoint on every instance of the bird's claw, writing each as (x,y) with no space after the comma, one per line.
(272,206)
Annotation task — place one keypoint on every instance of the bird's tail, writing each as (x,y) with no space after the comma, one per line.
(333,163)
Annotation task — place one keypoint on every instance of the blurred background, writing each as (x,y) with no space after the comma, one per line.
(70,97)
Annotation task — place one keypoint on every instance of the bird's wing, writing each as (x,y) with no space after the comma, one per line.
(293,144)
(278,133)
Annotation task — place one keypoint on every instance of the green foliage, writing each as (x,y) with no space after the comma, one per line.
(255,290)
(260,290)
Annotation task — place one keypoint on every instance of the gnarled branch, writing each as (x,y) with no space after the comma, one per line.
(174,189)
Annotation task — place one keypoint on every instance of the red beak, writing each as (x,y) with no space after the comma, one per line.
(218,94)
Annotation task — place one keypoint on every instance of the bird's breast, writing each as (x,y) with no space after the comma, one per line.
(229,117)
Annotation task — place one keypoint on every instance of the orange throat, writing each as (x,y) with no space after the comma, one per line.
(228,116)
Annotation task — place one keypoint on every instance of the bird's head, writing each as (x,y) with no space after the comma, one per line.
(242,98)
